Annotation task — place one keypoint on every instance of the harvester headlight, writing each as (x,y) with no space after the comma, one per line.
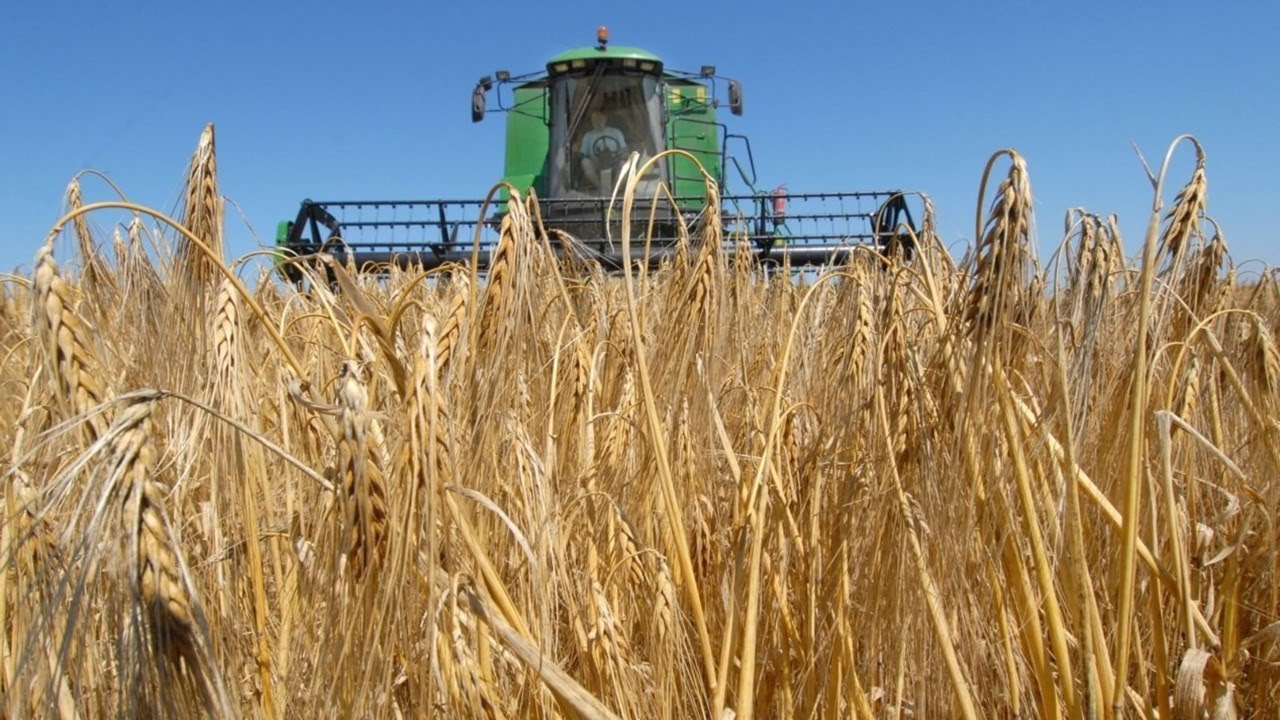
(628,62)
(708,70)
(646,66)
(579,64)
(502,75)
(562,67)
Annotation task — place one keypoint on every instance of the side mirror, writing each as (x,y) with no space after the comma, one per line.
(735,97)
(477,104)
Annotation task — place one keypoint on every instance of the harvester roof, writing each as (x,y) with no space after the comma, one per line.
(580,58)
(596,53)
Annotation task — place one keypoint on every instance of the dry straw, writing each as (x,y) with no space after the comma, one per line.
(897,487)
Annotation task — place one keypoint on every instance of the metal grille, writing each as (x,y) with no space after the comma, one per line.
(810,228)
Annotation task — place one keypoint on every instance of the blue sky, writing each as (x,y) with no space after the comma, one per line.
(370,100)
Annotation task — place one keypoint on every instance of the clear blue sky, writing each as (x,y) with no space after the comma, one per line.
(370,100)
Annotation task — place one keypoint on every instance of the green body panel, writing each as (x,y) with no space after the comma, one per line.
(528,140)
(282,241)
(691,126)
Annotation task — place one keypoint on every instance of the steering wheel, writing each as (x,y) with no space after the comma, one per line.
(605,150)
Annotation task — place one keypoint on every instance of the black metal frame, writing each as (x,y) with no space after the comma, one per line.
(815,228)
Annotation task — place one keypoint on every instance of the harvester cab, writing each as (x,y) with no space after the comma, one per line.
(570,129)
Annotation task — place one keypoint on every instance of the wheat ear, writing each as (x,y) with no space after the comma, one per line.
(202,212)
(1185,213)
(450,332)
(500,290)
(95,274)
(65,340)
(156,567)
(1001,254)
(363,492)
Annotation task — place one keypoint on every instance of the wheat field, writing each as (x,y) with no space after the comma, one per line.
(993,486)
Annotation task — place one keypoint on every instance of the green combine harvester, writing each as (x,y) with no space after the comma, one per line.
(570,130)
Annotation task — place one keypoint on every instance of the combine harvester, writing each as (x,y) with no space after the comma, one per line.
(570,130)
